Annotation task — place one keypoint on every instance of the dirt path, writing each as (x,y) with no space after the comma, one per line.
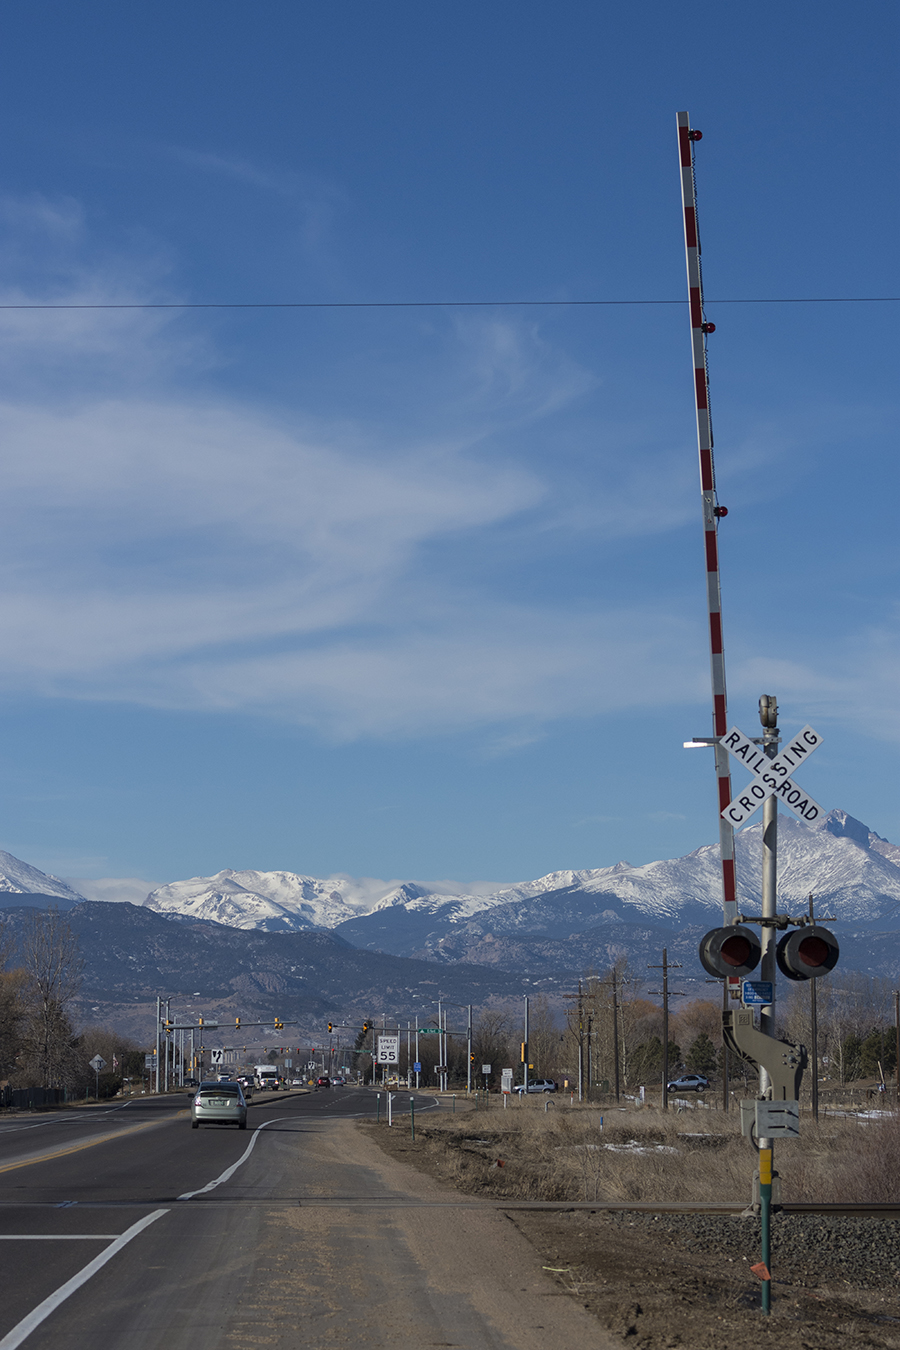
(372,1253)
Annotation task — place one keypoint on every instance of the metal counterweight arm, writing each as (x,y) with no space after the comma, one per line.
(783,1060)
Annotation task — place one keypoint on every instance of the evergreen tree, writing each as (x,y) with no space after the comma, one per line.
(701,1057)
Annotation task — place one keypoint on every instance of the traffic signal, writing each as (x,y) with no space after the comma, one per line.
(279,1025)
(237,1023)
(731,951)
(366,1026)
(330,1027)
(807,953)
(471,1059)
(524,1051)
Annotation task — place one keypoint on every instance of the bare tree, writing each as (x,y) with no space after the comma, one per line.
(492,1040)
(53,968)
(12,1014)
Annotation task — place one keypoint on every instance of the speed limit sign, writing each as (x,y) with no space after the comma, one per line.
(388,1049)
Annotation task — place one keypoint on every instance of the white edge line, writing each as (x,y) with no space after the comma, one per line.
(43,1310)
(229,1171)
(58,1237)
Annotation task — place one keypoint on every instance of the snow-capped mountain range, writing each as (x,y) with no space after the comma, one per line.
(20,878)
(853,873)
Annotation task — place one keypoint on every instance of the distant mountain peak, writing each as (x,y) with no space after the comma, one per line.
(20,878)
(844,826)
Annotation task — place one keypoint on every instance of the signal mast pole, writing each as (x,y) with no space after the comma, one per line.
(712,511)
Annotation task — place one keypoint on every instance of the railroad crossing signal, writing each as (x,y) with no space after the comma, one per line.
(730,952)
(807,953)
(771,776)
(804,954)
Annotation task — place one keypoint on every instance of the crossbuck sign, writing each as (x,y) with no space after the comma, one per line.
(772,776)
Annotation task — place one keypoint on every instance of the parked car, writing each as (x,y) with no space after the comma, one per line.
(219,1104)
(536,1085)
(688,1082)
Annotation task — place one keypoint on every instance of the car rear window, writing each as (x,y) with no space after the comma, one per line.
(220,1091)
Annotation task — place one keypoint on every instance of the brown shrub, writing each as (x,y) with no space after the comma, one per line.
(647,1155)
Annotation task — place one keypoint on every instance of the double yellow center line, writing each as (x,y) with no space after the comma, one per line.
(87,1143)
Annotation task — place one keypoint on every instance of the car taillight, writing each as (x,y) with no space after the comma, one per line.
(198,1101)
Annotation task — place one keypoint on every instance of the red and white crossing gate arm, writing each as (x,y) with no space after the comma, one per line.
(712,512)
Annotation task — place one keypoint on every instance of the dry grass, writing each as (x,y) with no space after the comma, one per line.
(589,1153)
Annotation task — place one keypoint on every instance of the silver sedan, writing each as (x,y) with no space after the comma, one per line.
(219,1104)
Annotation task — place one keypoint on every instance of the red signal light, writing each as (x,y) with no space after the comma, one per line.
(807,953)
(731,951)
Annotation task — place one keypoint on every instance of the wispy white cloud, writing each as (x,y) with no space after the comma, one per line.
(851,677)
(212,553)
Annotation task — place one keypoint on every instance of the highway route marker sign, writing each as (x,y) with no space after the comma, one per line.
(772,777)
(388,1049)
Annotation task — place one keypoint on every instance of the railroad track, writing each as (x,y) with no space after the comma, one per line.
(726,1207)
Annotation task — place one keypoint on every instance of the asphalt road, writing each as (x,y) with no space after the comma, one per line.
(123,1227)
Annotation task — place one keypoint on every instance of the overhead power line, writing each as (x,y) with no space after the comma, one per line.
(456,304)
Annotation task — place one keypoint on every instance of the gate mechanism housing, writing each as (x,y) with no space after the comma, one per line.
(783,1061)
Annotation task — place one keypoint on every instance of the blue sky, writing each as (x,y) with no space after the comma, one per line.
(420,592)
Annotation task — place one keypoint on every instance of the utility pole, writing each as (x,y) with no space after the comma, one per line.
(578,1000)
(665,968)
(445,1057)
(158,1015)
(814,1033)
(615,1010)
(469,1052)
(768,716)
(525,1050)
(726,1054)
(166,1042)
(580,1044)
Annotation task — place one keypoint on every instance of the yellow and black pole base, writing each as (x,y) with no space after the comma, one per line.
(765,1223)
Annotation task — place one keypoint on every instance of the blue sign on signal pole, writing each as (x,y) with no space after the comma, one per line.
(756,993)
